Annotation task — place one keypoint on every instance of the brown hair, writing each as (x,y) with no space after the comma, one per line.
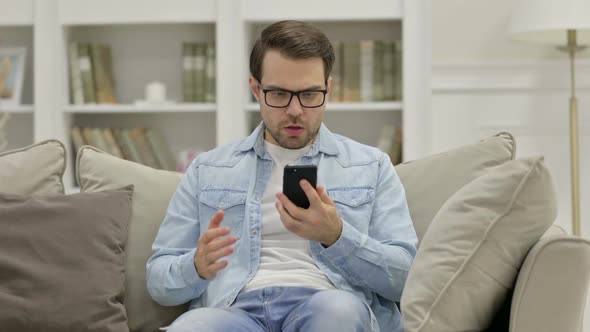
(294,39)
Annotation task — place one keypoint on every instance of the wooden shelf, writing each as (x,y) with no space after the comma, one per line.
(382,106)
(311,10)
(19,109)
(130,108)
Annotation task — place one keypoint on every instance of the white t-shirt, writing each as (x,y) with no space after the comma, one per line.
(285,258)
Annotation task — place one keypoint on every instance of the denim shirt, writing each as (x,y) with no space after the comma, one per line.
(371,258)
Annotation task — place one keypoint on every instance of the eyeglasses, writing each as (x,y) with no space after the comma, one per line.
(281,98)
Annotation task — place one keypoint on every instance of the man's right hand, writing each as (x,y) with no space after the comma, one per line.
(213,245)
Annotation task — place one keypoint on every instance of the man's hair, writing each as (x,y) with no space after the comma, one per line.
(293,39)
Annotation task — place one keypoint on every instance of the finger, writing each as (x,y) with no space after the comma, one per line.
(221,242)
(215,267)
(213,256)
(289,206)
(216,219)
(310,192)
(213,234)
(324,196)
(290,223)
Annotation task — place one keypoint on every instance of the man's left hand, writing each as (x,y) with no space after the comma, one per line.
(320,222)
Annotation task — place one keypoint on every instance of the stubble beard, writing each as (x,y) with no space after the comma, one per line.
(284,141)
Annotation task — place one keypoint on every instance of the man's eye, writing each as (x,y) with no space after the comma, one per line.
(279,93)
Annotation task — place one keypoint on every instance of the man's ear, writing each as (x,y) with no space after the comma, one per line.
(329,85)
(254,87)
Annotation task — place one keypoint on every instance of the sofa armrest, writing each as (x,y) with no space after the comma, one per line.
(551,287)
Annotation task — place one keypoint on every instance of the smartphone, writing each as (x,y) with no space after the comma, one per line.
(291,187)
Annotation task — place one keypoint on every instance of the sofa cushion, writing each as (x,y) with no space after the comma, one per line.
(471,253)
(97,171)
(36,169)
(62,260)
(430,181)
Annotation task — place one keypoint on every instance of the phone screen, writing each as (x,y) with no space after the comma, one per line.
(292,189)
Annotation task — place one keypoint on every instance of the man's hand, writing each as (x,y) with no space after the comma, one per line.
(213,246)
(320,222)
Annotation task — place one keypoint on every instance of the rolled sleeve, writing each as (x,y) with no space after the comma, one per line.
(188,271)
(348,243)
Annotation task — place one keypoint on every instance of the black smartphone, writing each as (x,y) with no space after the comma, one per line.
(291,187)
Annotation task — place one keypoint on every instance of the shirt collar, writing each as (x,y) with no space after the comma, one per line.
(325,142)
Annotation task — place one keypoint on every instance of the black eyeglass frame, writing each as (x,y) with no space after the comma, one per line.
(294,93)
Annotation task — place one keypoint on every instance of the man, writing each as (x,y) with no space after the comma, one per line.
(245,256)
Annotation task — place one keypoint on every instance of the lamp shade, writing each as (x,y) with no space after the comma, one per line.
(546,21)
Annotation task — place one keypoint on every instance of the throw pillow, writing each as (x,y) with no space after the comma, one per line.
(430,181)
(97,171)
(36,169)
(62,260)
(471,253)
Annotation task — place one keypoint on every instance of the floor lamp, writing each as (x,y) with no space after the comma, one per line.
(565,24)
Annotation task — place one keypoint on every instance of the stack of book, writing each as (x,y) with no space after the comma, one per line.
(198,72)
(141,145)
(91,74)
(367,70)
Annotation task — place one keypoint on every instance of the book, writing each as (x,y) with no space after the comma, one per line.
(110,140)
(366,70)
(389,70)
(102,73)
(398,70)
(396,151)
(86,73)
(351,72)
(76,87)
(378,71)
(139,139)
(336,93)
(125,150)
(93,136)
(130,146)
(188,84)
(161,150)
(199,71)
(211,88)
(77,139)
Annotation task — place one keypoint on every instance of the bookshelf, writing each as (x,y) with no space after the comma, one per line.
(132,108)
(16,31)
(145,39)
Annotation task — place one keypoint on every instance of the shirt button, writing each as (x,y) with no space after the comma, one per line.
(254,232)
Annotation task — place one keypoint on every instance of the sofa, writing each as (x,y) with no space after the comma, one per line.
(489,258)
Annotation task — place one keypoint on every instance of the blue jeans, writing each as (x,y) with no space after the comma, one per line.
(286,309)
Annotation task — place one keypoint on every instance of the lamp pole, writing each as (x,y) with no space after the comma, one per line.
(572,47)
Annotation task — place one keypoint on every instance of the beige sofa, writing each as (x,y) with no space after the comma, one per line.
(488,260)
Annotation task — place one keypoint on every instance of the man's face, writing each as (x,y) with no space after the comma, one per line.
(293,126)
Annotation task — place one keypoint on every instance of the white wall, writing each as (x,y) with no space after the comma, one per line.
(477,30)
(484,82)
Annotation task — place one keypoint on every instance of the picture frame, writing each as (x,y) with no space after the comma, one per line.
(12,70)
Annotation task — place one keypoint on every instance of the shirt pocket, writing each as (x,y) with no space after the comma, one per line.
(232,202)
(354,205)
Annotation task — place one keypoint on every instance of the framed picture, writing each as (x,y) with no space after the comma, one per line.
(12,70)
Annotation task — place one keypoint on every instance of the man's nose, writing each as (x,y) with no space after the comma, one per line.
(294,108)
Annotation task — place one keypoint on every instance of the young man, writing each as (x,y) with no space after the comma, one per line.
(245,256)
